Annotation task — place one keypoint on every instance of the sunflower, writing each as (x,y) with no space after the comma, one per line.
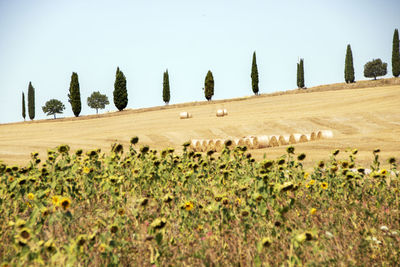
(55,200)
(324,185)
(31,196)
(65,203)
(188,206)
(313,211)
(306,175)
(86,170)
(312,182)
(383,172)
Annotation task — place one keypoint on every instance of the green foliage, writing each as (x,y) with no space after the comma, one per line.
(23,106)
(97,101)
(375,68)
(120,92)
(52,107)
(254,75)
(31,101)
(209,86)
(396,54)
(142,207)
(74,96)
(349,68)
(166,91)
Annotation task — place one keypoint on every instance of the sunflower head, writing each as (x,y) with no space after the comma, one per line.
(188,206)
(31,196)
(324,185)
(65,203)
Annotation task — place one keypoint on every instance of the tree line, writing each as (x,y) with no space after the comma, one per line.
(372,69)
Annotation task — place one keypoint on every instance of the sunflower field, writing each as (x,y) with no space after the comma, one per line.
(140,207)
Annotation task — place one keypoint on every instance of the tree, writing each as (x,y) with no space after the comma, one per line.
(120,93)
(254,75)
(396,54)
(375,68)
(97,101)
(31,101)
(349,68)
(166,92)
(301,74)
(23,106)
(209,86)
(52,107)
(74,95)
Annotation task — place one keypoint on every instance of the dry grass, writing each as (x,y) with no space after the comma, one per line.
(364,118)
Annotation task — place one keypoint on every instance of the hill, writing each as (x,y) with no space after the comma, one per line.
(361,116)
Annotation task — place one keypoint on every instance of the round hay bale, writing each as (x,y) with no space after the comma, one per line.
(219,144)
(327,134)
(211,144)
(263,141)
(225,112)
(303,138)
(273,141)
(313,136)
(282,140)
(198,145)
(193,143)
(319,135)
(292,139)
(220,113)
(184,115)
(250,142)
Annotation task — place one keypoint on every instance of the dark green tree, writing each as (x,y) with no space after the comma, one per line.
(254,75)
(298,75)
(301,74)
(375,68)
(74,95)
(52,107)
(166,92)
(120,93)
(97,101)
(396,54)
(31,101)
(209,86)
(23,106)
(349,68)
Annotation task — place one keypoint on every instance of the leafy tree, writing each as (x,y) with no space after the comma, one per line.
(375,68)
(120,93)
(97,101)
(52,107)
(254,75)
(31,101)
(166,92)
(301,73)
(23,106)
(74,95)
(349,68)
(209,86)
(396,54)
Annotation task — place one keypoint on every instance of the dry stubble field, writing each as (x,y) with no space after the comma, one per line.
(364,118)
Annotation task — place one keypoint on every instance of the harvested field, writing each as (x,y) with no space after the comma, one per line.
(359,118)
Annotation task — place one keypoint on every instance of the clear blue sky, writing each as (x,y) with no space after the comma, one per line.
(45,41)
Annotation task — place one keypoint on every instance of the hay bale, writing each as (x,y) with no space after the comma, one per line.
(211,144)
(313,136)
(251,142)
(292,139)
(326,134)
(263,141)
(198,145)
(282,140)
(193,143)
(219,144)
(184,115)
(273,141)
(225,112)
(220,113)
(303,138)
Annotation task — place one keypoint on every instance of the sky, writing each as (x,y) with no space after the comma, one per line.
(44,41)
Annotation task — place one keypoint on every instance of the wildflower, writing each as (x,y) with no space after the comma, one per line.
(102,248)
(306,175)
(313,211)
(334,168)
(134,140)
(238,201)
(44,211)
(266,242)
(114,228)
(25,233)
(65,203)
(324,185)
(383,172)
(63,148)
(321,164)
(55,200)
(121,211)
(86,170)
(345,164)
(392,160)
(290,150)
(31,196)
(188,206)
(312,182)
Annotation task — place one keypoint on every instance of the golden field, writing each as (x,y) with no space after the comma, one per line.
(362,118)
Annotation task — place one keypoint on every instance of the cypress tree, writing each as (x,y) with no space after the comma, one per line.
(120,93)
(23,106)
(209,86)
(254,75)
(349,68)
(396,54)
(166,93)
(301,72)
(31,101)
(75,95)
